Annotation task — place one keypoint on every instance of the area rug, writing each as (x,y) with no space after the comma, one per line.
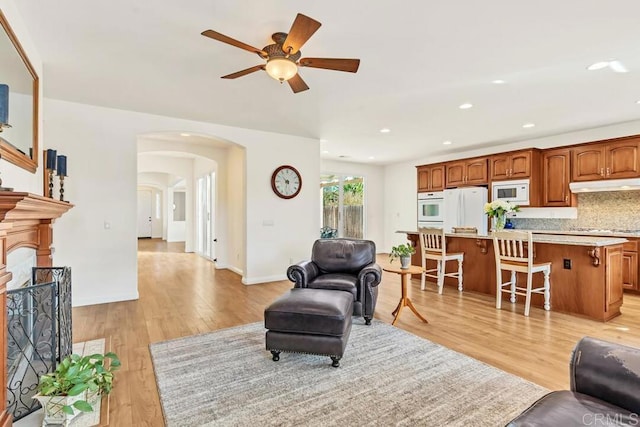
(386,377)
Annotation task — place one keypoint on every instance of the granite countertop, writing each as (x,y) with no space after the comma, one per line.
(547,237)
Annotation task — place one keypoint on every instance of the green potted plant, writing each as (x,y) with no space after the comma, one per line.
(77,381)
(404,252)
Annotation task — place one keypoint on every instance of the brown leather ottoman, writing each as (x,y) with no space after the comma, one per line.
(312,321)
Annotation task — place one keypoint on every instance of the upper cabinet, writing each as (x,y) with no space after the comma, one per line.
(514,165)
(431,178)
(610,160)
(556,173)
(467,172)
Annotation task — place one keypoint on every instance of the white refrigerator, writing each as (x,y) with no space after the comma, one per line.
(464,207)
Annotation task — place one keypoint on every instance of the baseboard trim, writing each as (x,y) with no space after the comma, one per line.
(102,299)
(265,279)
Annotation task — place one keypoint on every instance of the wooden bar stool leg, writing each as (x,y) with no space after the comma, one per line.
(499,290)
(547,288)
(440,276)
(527,303)
(460,274)
(513,298)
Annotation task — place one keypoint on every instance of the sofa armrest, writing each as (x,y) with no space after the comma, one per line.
(607,371)
(302,273)
(370,275)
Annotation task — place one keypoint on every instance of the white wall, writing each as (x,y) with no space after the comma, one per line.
(374,184)
(102,185)
(235,208)
(400,203)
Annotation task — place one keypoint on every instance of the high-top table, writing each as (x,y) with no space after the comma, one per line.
(405,276)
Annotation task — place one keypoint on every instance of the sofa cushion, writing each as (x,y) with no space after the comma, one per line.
(310,311)
(336,282)
(568,408)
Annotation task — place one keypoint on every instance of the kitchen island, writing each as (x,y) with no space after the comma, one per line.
(586,271)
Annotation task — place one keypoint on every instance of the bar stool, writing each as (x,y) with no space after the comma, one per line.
(512,255)
(434,247)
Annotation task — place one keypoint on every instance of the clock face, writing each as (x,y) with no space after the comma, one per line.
(286,182)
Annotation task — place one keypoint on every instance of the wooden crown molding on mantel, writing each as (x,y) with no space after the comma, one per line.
(16,206)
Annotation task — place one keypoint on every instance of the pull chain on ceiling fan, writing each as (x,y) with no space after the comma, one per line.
(283,57)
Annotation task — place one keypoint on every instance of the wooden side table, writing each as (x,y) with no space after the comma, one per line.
(405,276)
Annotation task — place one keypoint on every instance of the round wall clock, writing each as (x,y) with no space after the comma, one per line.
(286,182)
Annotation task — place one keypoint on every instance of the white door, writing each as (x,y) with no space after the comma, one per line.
(144,214)
(205,216)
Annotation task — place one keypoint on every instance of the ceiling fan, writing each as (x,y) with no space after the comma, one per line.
(283,57)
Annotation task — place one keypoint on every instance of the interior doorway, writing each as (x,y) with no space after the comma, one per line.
(144,214)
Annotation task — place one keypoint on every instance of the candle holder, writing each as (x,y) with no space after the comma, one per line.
(50,171)
(61,188)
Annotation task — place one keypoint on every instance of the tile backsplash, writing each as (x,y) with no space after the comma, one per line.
(611,210)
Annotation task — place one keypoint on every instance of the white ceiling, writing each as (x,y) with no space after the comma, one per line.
(419,61)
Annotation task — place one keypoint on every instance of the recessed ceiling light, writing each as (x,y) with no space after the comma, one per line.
(498,82)
(185,134)
(528,125)
(385,130)
(325,151)
(638,101)
(446,143)
(323,140)
(371,157)
(465,106)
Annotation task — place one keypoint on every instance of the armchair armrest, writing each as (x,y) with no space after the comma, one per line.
(607,371)
(370,275)
(302,273)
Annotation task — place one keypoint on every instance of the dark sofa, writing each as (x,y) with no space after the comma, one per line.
(344,265)
(605,389)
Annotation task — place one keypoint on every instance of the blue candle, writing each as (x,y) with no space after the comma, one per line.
(62,165)
(4,104)
(51,159)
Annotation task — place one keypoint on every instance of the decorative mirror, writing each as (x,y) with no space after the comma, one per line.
(18,102)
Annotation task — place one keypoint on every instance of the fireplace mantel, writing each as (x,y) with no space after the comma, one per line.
(25,221)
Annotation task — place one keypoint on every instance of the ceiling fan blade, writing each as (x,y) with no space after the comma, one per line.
(297,84)
(243,72)
(348,65)
(233,42)
(618,67)
(301,30)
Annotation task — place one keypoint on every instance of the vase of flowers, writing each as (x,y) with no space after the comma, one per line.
(499,209)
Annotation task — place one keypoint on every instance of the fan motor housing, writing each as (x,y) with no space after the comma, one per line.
(275,50)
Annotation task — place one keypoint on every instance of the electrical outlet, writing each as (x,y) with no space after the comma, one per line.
(567,264)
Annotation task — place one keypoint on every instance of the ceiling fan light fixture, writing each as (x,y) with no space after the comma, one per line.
(281,69)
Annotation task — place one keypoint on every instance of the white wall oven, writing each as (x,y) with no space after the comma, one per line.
(515,191)
(431,209)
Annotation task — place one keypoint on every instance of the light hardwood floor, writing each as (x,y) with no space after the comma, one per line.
(183,294)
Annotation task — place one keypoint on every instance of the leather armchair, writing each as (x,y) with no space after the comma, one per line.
(605,380)
(345,265)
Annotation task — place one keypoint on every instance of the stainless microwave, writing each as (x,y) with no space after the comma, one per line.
(515,191)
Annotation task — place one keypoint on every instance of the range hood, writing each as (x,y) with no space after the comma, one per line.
(605,185)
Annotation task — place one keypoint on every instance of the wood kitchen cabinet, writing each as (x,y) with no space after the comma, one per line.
(556,174)
(514,165)
(613,159)
(630,265)
(467,172)
(431,178)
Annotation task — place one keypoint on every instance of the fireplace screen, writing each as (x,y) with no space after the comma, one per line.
(39,334)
